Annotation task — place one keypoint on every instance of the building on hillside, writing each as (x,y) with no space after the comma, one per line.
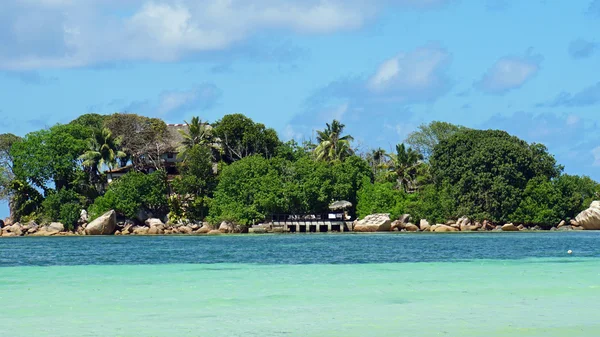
(117,173)
(168,150)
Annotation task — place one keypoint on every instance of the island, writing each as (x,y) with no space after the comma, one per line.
(126,174)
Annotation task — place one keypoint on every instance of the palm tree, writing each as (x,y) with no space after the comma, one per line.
(104,150)
(332,146)
(404,167)
(199,133)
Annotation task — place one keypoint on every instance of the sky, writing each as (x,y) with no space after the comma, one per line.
(382,67)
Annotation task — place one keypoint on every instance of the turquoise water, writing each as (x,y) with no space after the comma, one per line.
(492,284)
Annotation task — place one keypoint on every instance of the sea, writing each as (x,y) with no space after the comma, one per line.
(302,285)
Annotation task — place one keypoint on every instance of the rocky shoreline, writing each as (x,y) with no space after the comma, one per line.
(108,224)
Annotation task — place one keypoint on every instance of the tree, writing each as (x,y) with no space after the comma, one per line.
(199,134)
(240,137)
(332,146)
(132,194)
(429,135)
(253,188)
(434,203)
(6,163)
(404,167)
(144,140)
(64,206)
(488,171)
(49,159)
(547,202)
(92,120)
(7,140)
(378,161)
(25,200)
(380,197)
(248,191)
(103,150)
(193,188)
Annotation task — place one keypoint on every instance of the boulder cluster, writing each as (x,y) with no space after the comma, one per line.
(589,219)
(107,224)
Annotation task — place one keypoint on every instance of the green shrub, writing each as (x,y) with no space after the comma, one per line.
(63,206)
(380,198)
(134,193)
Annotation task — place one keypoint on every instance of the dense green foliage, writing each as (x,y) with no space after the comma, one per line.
(239,170)
(488,171)
(7,141)
(428,136)
(253,188)
(332,145)
(64,206)
(380,198)
(133,194)
(241,137)
(549,201)
(50,158)
(25,201)
(194,186)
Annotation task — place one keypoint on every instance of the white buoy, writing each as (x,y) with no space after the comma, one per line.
(570,252)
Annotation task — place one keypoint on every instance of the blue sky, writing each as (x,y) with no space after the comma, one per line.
(383,67)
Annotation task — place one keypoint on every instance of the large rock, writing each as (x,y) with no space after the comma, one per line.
(374,223)
(185,230)
(203,230)
(488,226)
(214,232)
(443,228)
(424,225)
(397,225)
(466,225)
(590,218)
(103,225)
(405,218)
(510,228)
(14,230)
(401,222)
(226,227)
(55,227)
(155,230)
(155,222)
(139,230)
(411,227)
(127,229)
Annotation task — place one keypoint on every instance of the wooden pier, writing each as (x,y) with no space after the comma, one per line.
(311,223)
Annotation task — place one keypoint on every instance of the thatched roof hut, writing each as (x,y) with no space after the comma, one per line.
(340,205)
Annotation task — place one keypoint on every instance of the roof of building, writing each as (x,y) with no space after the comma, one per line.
(123,169)
(175,138)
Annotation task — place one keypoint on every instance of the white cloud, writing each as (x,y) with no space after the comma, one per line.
(173,104)
(66,33)
(509,73)
(412,73)
(417,76)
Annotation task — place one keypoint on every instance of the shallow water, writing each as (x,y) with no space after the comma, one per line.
(491,284)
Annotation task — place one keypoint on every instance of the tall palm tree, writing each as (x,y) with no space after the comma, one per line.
(404,167)
(198,133)
(103,150)
(332,146)
(378,160)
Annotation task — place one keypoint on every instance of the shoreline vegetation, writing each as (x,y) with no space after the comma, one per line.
(125,174)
